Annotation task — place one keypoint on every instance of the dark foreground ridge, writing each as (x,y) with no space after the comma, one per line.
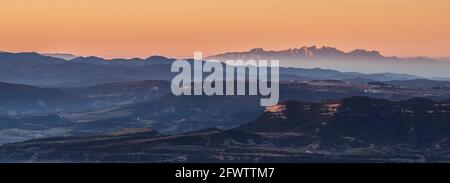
(356,129)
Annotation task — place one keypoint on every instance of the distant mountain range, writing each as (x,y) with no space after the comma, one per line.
(39,70)
(358,60)
(311,52)
(299,53)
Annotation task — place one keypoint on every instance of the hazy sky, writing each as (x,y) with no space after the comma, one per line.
(139,28)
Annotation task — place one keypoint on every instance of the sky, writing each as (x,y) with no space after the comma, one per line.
(177,28)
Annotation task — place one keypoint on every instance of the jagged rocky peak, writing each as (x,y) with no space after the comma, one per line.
(310,52)
(257,50)
(364,53)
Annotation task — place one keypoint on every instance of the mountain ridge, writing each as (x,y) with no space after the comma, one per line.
(35,69)
(358,60)
(303,52)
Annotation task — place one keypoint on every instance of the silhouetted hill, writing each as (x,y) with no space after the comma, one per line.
(133,62)
(29,57)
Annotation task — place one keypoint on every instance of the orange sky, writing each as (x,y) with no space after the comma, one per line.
(139,28)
